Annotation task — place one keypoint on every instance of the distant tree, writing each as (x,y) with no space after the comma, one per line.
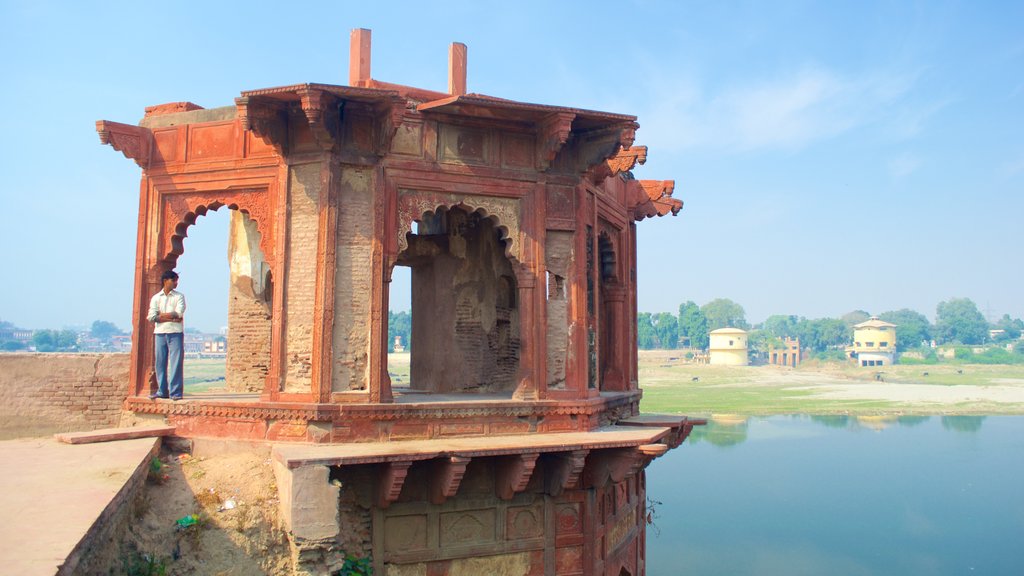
(855,317)
(5,325)
(724,313)
(54,341)
(693,325)
(780,325)
(666,330)
(823,333)
(646,339)
(103,330)
(12,345)
(1013,327)
(912,328)
(399,324)
(762,340)
(958,320)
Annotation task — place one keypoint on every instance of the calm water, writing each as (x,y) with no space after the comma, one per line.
(837,495)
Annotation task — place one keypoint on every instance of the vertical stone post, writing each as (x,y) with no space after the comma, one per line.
(457,69)
(359,57)
(615,336)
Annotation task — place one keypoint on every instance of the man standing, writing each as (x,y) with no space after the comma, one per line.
(167,310)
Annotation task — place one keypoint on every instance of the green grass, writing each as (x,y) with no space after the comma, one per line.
(671,385)
(202,374)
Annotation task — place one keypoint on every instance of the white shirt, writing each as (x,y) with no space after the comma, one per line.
(162,303)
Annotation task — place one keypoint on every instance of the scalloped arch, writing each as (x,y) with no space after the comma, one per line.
(502,212)
(182,210)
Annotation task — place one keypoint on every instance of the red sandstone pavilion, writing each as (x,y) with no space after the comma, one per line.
(517,447)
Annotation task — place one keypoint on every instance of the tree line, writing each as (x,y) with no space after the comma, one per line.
(957,321)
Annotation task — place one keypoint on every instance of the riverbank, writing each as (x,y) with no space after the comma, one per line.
(672,385)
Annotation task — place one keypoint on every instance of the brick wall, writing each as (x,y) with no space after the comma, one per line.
(352,281)
(61,392)
(304,186)
(249,325)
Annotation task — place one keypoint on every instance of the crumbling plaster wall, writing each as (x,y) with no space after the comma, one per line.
(249,308)
(558,261)
(465,328)
(61,392)
(353,279)
(304,185)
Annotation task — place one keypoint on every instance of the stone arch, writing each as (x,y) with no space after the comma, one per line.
(181,210)
(414,206)
(251,287)
(465,301)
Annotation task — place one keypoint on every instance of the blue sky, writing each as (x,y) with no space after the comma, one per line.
(832,156)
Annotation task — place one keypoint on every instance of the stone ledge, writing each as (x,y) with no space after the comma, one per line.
(111,434)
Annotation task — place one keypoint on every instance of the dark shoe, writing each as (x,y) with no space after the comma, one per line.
(176,398)
(155,395)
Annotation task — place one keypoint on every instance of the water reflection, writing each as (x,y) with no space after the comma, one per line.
(728,430)
(962,423)
(838,494)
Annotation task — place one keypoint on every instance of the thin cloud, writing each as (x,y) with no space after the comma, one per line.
(904,165)
(789,112)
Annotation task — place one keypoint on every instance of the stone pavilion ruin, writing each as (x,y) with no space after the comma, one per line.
(518,444)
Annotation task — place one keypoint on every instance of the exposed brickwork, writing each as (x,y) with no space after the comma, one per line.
(303,193)
(558,260)
(62,391)
(353,273)
(465,327)
(249,308)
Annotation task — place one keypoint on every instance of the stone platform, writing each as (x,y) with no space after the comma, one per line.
(61,501)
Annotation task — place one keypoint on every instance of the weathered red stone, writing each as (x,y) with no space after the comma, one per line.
(518,446)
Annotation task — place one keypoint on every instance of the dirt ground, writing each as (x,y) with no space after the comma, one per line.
(236,531)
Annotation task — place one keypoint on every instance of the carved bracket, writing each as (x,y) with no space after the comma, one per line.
(627,158)
(613,465)
(597,147)
(564,471)
(265,119)
(512,474)
(321,110)
(390,115)
(552,133)
(653,198)
(447,476)
(134,142)
(390,481)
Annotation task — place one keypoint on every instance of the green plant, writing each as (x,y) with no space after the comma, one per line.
(355,566)
(139,564)
(156,471)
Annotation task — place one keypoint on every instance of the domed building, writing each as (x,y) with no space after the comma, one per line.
(728,347)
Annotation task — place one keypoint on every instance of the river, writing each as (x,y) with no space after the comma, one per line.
(800,495)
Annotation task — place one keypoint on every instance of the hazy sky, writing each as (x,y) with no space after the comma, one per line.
(832,155)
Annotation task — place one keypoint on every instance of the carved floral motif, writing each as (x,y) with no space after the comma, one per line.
(412,205)
(180,210)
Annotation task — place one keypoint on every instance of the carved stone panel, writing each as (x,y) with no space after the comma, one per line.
(413,204)
(405,533)
(522,522)
(568,519)
(468,527)
(459,145)
(408,139)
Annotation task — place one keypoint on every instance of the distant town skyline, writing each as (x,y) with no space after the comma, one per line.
(816,146)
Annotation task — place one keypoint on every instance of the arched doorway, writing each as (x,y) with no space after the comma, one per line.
(230,353)
(465,313)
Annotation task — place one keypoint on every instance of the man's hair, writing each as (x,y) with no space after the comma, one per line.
(169,275)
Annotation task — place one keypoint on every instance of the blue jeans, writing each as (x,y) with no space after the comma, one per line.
(170,361)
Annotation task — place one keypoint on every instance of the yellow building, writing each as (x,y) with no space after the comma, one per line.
(874,343)
(728,347)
